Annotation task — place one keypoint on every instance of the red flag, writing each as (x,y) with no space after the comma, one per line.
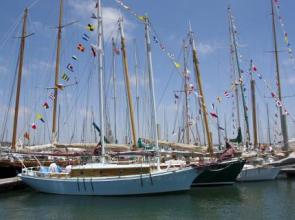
(213,114)
(34,126)
(45,105)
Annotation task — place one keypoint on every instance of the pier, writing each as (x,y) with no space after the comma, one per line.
(11,184)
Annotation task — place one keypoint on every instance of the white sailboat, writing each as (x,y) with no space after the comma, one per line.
(108,179)
(258,173)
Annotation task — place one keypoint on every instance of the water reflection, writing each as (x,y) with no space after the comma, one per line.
(243,201)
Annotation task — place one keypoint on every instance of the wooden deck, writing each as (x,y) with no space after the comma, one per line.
(11,184)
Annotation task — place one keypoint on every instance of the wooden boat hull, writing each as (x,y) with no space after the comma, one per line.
(258,174)
(159,182)
(224,173)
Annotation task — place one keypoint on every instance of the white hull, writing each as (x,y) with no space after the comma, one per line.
(258,174)
(158,182)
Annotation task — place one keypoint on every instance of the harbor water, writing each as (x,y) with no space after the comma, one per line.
(257,200)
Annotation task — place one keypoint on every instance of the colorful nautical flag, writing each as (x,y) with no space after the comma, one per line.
(90,27)
(51,96)
(34,126)
(60,86)
(45,105)
(213,114)
(81,48)
(70,67)
(85,37)
(226,94)
(142,18)
(40,117)
(65,77)
(93,51)
(177,65)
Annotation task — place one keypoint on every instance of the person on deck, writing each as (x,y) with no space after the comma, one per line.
(228,153)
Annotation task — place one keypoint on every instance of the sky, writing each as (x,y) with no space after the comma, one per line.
(169,20)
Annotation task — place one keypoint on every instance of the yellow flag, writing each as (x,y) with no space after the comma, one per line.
(38,116)
(177,65)
(142,18)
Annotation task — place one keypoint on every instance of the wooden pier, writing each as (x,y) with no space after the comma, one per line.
(11,184)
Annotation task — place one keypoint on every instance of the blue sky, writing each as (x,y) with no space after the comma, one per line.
(170,20)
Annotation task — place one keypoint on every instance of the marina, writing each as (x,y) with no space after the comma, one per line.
(92,117)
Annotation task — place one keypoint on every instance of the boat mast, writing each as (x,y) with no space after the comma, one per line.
(19,79)
(115,88)
(218,131)
(54,134)
(240,77)
(100,75)
(201,94)
(284,127)
(268,124)
(152,89)
(137,84)
(127,82)
(185,74)
(253,98)
(235,78)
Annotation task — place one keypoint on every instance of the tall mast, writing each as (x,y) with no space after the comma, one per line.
(268,125)
(100,75)
(19,78)
(152,89)
(202,98)
(240,77)
(235,78)
(185,74)
(218,131)
(137,84)
(115,88)
(127,82)
(284,127)
(253,98)
(54,134)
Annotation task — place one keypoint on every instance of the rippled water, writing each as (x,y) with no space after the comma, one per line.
(260,200)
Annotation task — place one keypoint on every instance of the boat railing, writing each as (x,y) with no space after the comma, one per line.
(39,172)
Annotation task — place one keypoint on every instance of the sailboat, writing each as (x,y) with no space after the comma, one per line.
(106,179)
(215,173)
(263,171)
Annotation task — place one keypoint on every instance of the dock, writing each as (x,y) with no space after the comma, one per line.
(288,171)
(11,184)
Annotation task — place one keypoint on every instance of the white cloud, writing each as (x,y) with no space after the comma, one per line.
(208,48)
(84,9)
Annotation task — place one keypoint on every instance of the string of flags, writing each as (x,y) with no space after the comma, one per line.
(156,40)
(285,33)
(66,74)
